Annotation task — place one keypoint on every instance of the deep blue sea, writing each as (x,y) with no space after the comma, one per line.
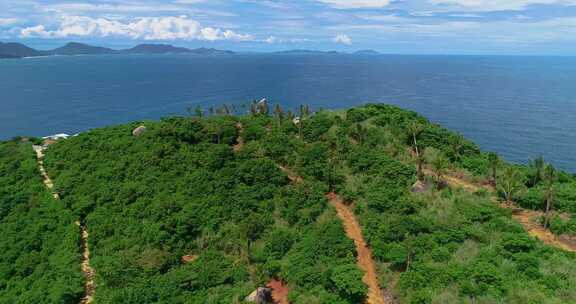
(518,106)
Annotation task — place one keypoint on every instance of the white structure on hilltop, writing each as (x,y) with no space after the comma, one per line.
(57,136)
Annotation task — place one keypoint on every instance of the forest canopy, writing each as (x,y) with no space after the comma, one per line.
(203,209)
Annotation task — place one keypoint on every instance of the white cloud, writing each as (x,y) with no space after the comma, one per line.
(518,33)
(274,40)
(498,5)
(145,28)
(35,31)
(344,4)
(341,38)
(7,21)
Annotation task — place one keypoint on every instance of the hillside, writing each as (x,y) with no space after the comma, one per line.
(374,202)
(39,253)
(17,50)
(74,48)
(169,49)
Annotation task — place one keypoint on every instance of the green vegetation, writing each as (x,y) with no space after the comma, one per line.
(40,255)
(180,190)
(444,246)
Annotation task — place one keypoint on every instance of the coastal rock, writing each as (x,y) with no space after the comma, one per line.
(139,131)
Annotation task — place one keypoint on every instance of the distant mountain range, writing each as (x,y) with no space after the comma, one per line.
(18,50)
(308,52)
(367,52)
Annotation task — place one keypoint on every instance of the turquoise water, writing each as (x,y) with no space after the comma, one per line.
(518,106)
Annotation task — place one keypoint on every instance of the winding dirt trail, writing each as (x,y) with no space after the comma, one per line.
(47,180)
(354,232)
(89,286)
(365,260)
(528,218)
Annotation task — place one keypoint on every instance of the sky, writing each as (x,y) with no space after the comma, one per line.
(507,27)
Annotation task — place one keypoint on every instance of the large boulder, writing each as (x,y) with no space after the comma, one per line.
(139,131)
(262,295)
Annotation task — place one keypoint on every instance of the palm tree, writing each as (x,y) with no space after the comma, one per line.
(457,143)
(438,162)
(537,165)
(511,183)
(493,163)
(414,129)
(197,111)
(304,112)
(420,161)
(279,114)
(357,133)
(550,176)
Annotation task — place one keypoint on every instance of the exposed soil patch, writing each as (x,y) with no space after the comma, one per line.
(279,291)
(188,258)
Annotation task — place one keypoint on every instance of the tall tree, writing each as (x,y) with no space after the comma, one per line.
(439,163)
(550,176)
(456,144)
(493,164)
(304,112)
(358,132)
(537,166)
(279,114)
(511,183)
(414,130)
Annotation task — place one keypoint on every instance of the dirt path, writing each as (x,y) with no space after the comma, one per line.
(528,218)
(89,286)
(240,140)
(279,291)
(354,232)
(365,261)
(47,181)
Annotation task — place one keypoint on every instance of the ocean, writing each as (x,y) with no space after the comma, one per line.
(520,107)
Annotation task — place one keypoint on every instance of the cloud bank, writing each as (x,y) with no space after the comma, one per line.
(499,5)
(344,4)
(144,28)
(344,39)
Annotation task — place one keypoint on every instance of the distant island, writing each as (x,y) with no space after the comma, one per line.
(308,52)
(367,52)
(18,50)
(15,50)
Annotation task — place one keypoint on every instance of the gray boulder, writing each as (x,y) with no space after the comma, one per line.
(262,295)
(139,131)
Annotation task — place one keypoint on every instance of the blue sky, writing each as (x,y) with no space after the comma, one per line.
(391,26)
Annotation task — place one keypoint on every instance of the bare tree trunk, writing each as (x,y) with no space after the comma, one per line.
(494,176)
(547,214)
(419,170)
